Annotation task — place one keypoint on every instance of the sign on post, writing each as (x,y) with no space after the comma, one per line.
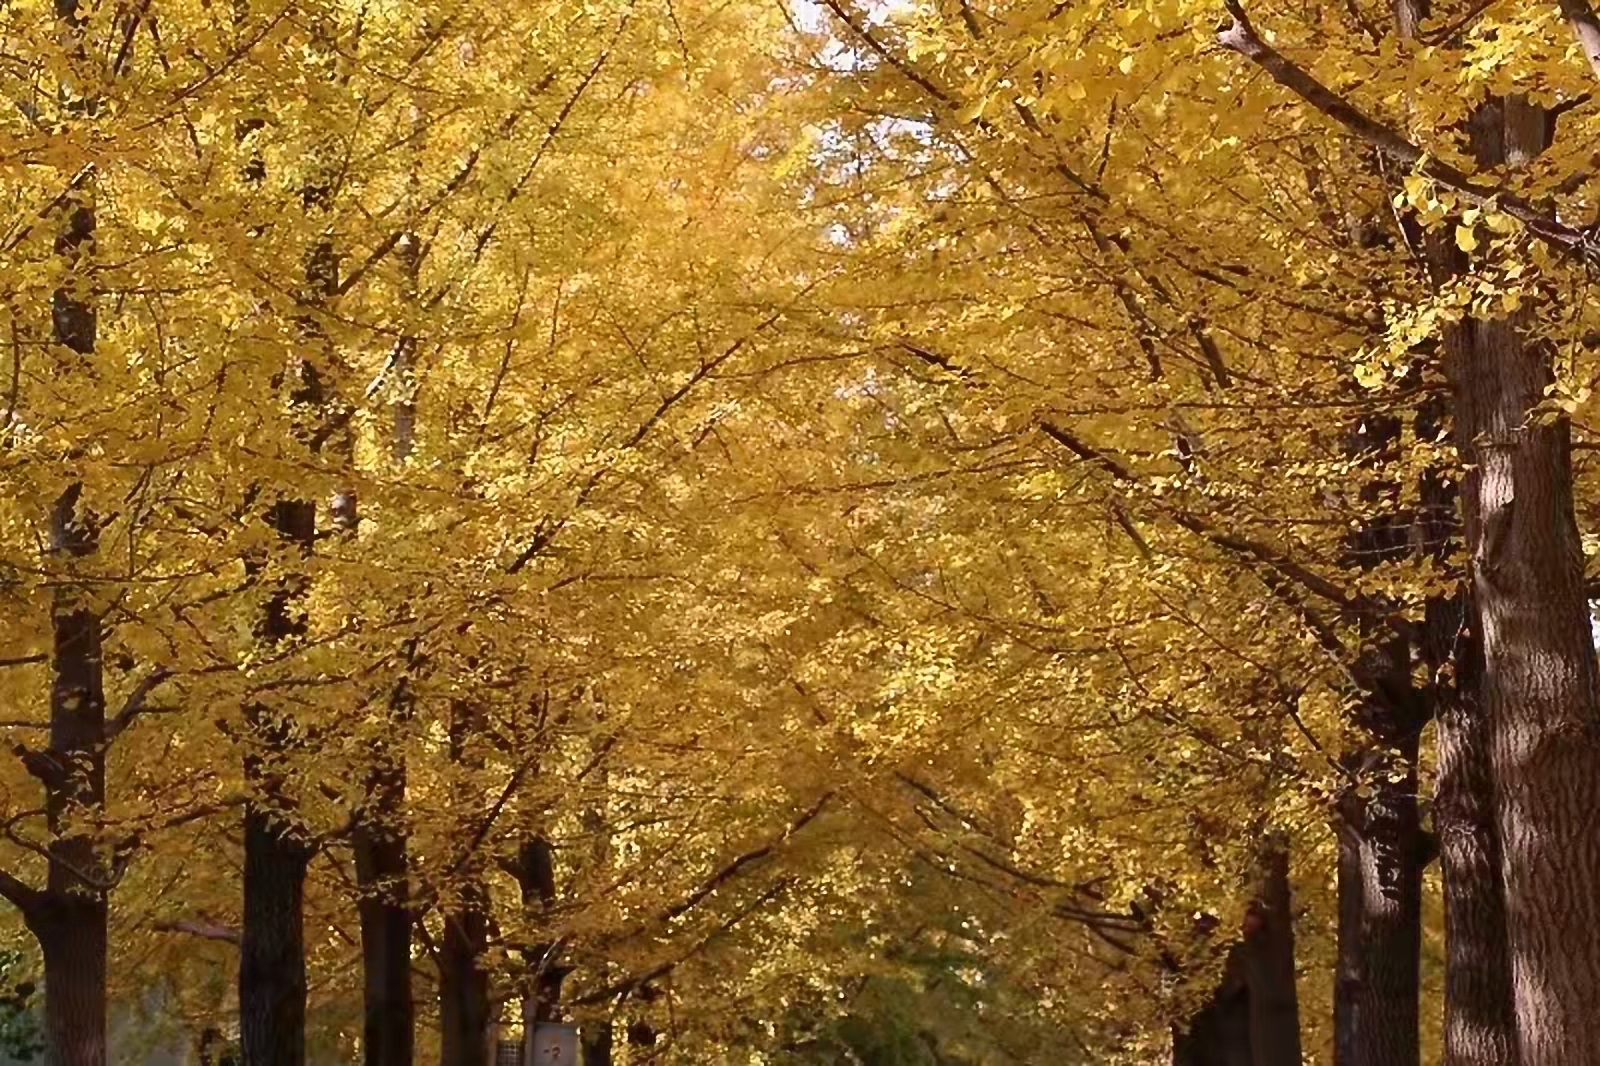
(553,1045)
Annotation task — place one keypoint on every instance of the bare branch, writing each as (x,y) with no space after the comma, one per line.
(21,896)
(205,930)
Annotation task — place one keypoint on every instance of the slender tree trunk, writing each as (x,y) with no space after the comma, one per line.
(1269,965)
(1380,920)
(464,1010)
(598,1040)
(382,868)
(465,1017)
(1219,1034)
(1379,869)
(1539,690)
(272,965)
(1479,1026)
(379,835)
(70,918)
(277,848)
(545,972)
(1252,1017)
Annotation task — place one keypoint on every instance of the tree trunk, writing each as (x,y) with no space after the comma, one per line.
(379,835)
(598,1040)
(1479,1027)
(1219,1034)
(1269,965)
(536,877)
(464,1012)
(72,937)
(69,917)
(1380,919)
(379,842)
(1539,686)
(465,1017)
(1379,870)
(272,960)
(272,963)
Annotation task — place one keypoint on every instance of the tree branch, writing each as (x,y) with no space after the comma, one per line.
(627,985)
(1585,27)
(1240,36)
(1235,544)
(205,930)
(21,896)
(134,705)
(731,870)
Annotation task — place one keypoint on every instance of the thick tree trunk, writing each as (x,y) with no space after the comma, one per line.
(1539,687)
(1479,1026)
(379,842)
(1269,965)
(72,937)
(1380,920)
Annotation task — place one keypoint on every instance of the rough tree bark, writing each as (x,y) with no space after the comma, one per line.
(1539,684)
(1380,918)
(1479,1025)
